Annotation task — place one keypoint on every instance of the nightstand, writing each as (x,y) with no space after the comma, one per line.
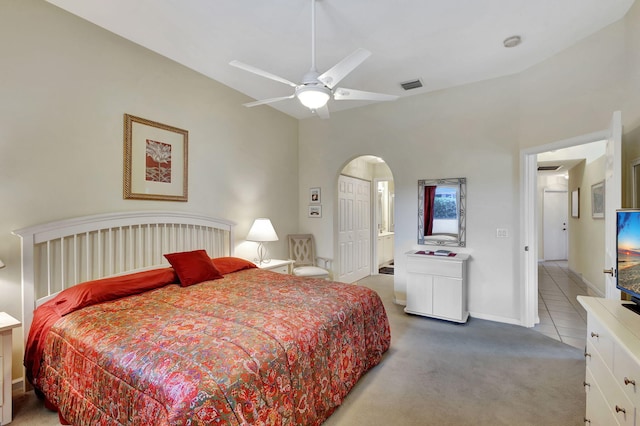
(7,324)
(278,265)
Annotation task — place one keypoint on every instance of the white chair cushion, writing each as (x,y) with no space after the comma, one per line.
(310,271)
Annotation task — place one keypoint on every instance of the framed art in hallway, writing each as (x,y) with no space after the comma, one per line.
(597,200)
(575,203)
(314,195)
(155,160)
(315,211)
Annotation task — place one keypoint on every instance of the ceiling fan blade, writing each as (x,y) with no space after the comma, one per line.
(323,112)
(344,94)
(268,101)
(333,75)
(262,73)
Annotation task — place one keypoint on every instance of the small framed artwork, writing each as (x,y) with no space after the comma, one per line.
(575,203)
(314,195)
(155,160)
(315,211)
(597,200)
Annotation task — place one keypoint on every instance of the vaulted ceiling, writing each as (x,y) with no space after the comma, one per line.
(444,43)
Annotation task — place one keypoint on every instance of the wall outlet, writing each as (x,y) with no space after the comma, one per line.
(502,233)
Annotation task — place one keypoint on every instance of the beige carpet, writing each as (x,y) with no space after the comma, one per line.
(441,373)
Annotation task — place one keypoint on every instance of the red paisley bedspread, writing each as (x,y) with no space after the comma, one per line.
(255,347)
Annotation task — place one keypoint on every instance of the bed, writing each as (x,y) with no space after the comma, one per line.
(123,334)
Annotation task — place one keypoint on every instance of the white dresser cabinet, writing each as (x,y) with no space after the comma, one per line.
(612,378)
(437,286)
(7,324)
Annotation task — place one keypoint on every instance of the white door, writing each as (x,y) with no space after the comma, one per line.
(363,229)
(612,202)
(554,217)
(354,228)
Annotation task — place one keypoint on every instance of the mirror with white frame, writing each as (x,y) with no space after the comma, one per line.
(441,211)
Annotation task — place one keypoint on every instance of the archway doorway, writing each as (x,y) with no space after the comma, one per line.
(365,225)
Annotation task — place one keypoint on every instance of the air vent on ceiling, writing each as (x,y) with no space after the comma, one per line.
(413,84)
(548,168)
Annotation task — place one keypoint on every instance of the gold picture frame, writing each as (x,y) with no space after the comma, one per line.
(155,160)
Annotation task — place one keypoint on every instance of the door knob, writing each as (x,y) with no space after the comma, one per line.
(608,271)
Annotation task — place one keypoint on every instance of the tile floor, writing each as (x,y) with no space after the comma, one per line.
(561,316)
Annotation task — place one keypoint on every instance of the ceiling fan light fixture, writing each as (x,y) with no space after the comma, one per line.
(313,97)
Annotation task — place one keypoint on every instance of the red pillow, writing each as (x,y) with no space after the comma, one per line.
(193,267)
(226,265)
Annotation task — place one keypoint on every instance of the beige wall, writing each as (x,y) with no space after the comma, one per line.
(478,131)
(64,87)
(586,234)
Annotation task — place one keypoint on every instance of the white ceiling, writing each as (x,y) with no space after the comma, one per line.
(444,43)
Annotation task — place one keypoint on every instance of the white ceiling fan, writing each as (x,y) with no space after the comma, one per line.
(316,89)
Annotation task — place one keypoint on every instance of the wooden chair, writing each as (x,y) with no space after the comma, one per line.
(303,252)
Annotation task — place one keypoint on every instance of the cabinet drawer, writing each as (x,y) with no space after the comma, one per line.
(600,339)
(281,269)
(434,266)
(618,403)
(626,371)
(598,413)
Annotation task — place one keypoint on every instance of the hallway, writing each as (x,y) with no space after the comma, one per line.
(561,316)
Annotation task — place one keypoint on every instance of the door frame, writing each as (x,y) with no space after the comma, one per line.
(528,220)
(374,221)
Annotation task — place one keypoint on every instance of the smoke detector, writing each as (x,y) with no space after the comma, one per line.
(512,41)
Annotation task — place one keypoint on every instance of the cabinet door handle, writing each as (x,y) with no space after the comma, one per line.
(594,334)
(587,354)
(586,420)
(628,381)
(585,384)
(620,410)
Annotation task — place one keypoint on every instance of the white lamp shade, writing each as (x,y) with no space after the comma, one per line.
(262,230)
(313,97)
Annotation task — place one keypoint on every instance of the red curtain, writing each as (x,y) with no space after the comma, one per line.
(429,199)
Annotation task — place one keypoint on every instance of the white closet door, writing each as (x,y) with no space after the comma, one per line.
(354,228)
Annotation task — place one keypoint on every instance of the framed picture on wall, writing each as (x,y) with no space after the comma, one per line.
(597,200)
(575,203)
(155,160)
(314,195)
(315,211)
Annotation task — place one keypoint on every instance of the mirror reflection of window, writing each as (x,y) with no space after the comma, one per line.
(445,211)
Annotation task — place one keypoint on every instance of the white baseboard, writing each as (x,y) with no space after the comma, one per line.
(495,318)
(399,301)
(17,386)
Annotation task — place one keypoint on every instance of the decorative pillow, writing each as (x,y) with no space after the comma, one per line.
(227,265)
(193,267)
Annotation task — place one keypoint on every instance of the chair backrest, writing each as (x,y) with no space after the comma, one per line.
(302,249)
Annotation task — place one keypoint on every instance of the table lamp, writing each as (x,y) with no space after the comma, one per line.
(261,232)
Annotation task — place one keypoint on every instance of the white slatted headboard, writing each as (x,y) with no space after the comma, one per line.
(60,254)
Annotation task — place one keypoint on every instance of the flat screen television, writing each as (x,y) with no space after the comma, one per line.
(628,255)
